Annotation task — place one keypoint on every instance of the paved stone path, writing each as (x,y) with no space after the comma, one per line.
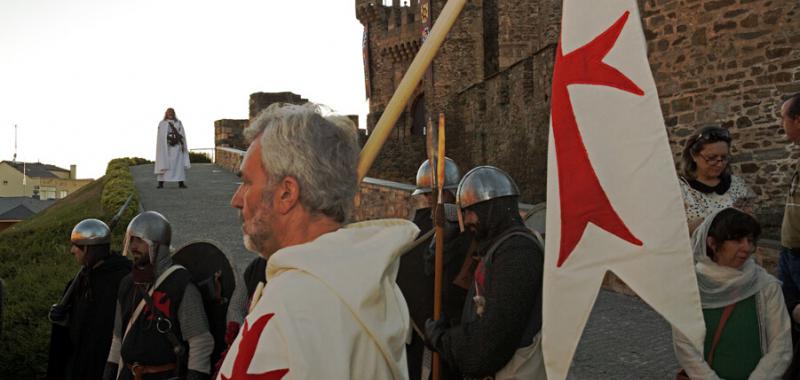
(624,338)
(201,212)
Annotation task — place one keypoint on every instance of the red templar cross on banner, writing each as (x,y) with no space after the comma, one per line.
(583,199)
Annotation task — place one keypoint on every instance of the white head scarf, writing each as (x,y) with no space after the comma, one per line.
(720,285)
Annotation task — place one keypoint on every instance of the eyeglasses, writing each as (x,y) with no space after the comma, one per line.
(714,159)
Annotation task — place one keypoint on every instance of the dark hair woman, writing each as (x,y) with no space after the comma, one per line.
(748,331)
(706,180)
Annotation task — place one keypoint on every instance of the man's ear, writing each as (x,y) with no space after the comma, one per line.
(286,195)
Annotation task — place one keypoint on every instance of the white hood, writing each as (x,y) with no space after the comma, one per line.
(359,264)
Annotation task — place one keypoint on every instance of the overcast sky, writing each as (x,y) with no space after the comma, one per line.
(87,81)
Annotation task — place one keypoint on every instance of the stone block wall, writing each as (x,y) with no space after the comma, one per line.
(399,159)
(228,158)
(228,133)
(716,62)
(729,63)
(525,27)
(261,100)
(504,122)
(461,60)
(384,199)
(394,39)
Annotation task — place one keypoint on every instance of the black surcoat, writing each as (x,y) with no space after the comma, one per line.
(144,343)
(79,350)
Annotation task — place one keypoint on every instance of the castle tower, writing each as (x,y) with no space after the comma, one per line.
(392,38)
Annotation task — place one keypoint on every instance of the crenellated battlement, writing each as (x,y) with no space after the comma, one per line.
(389,17)
(394,28)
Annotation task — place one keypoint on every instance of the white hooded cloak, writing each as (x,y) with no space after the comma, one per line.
(331,309)
(171,161)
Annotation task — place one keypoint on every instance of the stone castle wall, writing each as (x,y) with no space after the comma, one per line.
(379,199)
(399,159)
(504,122)
(228,133)
(729,63)
(716,62)
(261,100)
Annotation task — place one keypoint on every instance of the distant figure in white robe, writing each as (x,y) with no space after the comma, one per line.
(172,154)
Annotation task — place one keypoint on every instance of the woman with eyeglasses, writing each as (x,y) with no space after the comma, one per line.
(748,332)
(706,181)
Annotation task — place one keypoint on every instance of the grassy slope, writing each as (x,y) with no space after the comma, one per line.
(36,265)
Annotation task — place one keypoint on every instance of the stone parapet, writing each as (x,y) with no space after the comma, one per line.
(228,158)
(261,100)
(228,133)
(380,199)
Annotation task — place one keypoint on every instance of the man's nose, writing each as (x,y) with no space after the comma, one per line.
(236,200)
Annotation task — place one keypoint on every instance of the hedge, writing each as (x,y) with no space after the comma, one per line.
(36,265)
(199,158)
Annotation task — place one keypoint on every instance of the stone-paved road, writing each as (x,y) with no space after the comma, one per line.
(624,338)
(201,212)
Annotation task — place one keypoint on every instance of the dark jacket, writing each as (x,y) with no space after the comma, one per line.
(255,272)
(512,289)
(79,350)
(416,280)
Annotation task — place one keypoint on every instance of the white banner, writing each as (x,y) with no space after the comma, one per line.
(613,200)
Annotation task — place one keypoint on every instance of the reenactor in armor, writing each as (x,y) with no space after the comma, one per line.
(83,320)
(499,334)
(415,276)
(160,329)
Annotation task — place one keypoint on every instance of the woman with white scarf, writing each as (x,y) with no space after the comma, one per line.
(755,341)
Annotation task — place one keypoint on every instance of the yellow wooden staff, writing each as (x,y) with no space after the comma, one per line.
(439,220)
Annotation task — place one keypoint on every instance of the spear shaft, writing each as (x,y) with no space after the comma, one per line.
(439,220)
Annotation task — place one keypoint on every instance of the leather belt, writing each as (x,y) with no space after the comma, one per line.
(138,369)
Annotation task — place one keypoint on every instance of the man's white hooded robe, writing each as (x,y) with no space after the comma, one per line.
(171,161)
(331,309)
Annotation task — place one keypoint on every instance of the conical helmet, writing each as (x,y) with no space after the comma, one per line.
(90,232)
(151,227)
(425,180)
(484,183)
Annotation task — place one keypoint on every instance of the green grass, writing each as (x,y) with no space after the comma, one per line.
(199,158)
(36,265)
